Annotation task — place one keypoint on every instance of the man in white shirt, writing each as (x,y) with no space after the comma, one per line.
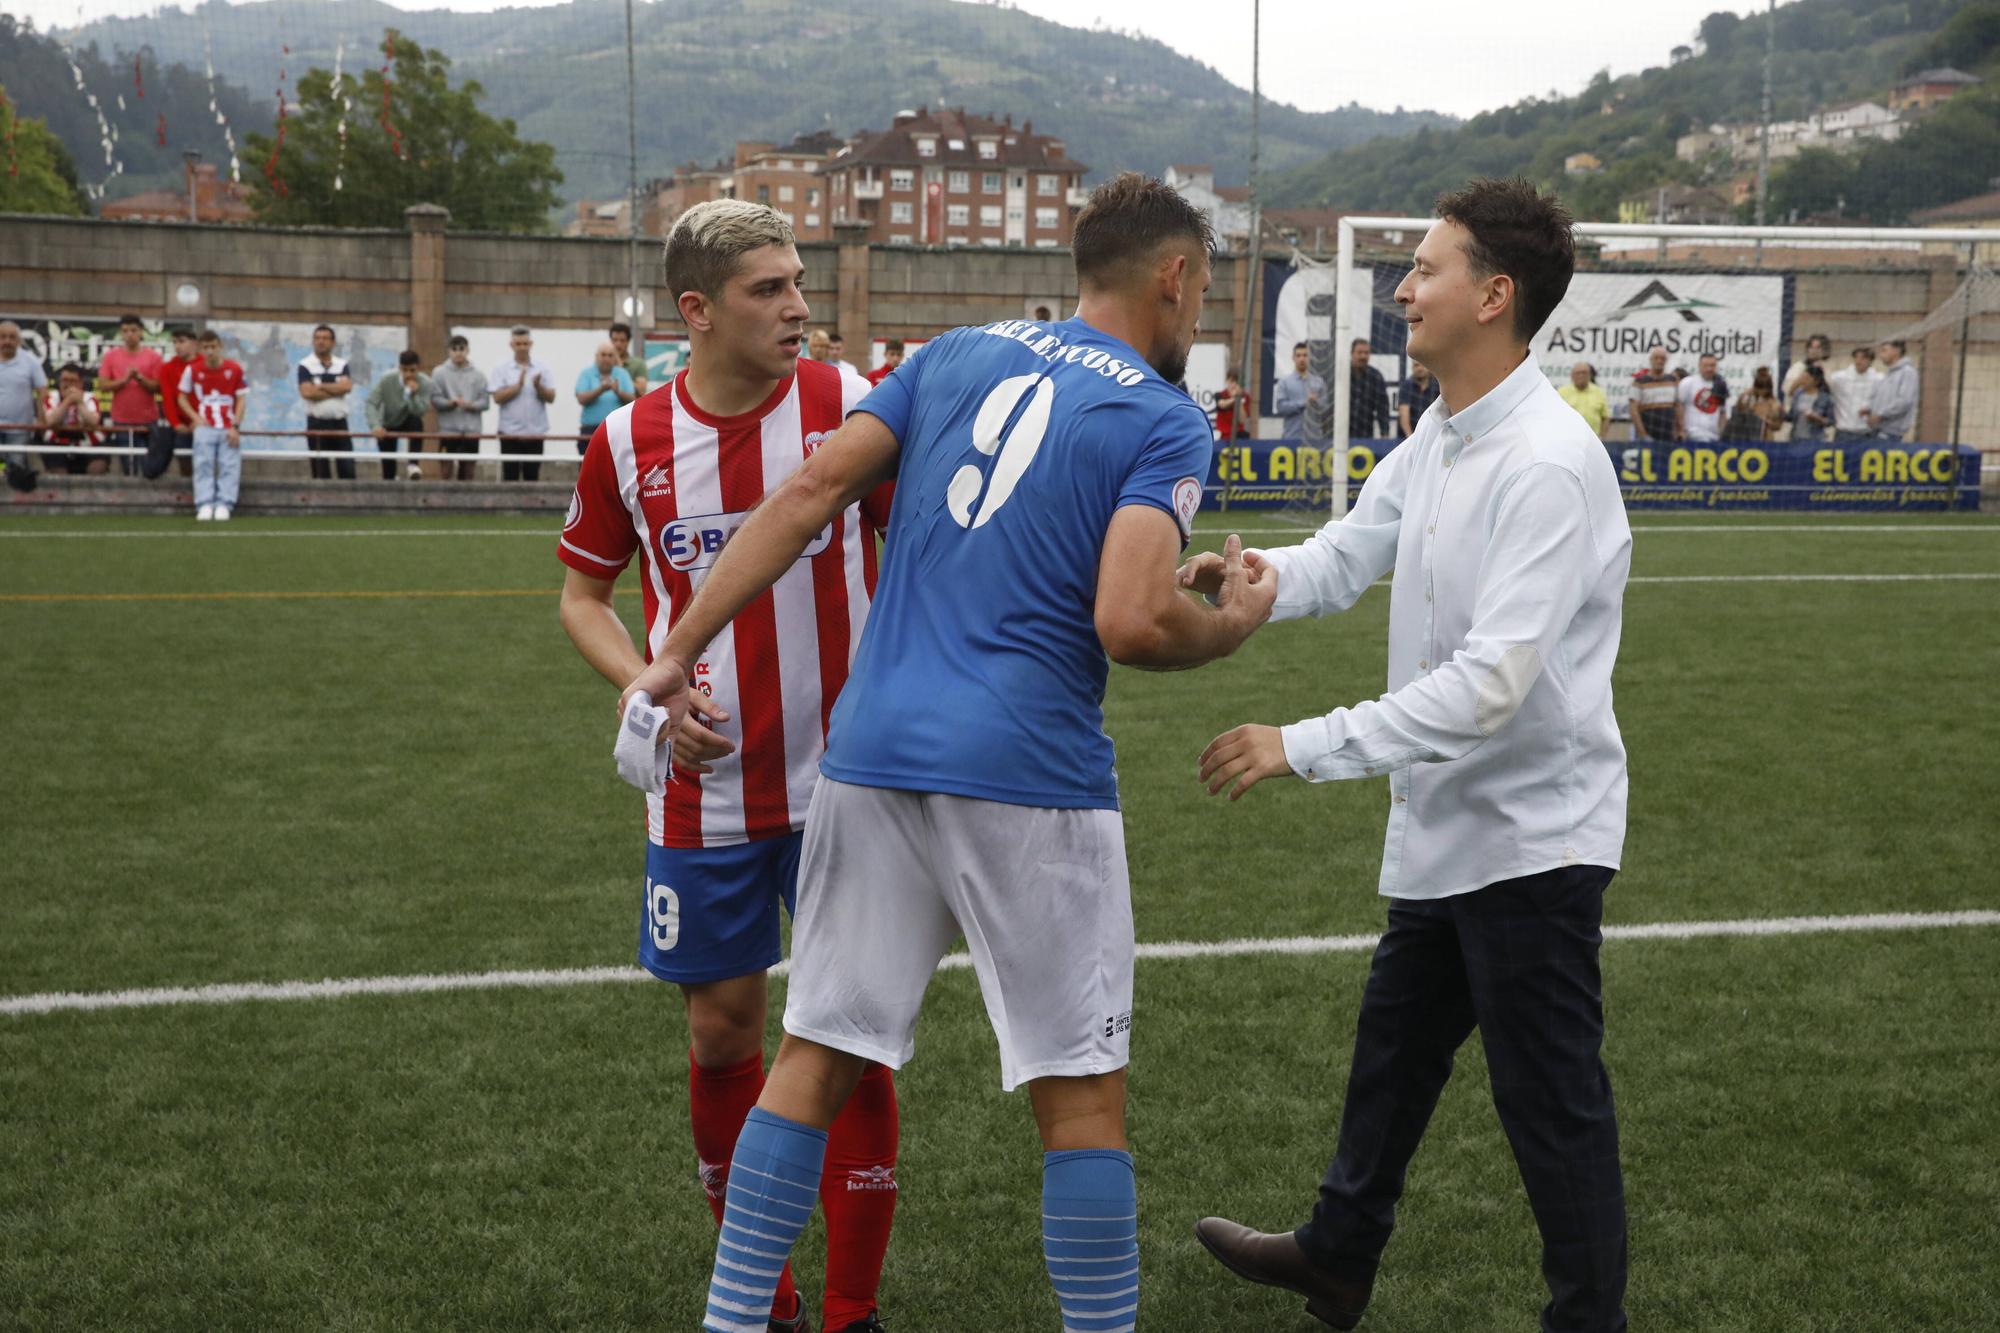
(324,382)
(1853,389)
(523,387)
(1704,398)
(1502,520)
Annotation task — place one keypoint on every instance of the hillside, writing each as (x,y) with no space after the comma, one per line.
(715,71)
(1828,51)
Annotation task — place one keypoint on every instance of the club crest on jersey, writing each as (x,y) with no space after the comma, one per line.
(1187,499)
(693,543)
(575,510)
(814,439)
(657,483)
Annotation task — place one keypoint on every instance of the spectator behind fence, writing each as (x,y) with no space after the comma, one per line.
(324,382)
(1414,397)
(1704,397)
(1229,407)
(1893,416)
(459,393)
(171,374)
(130,373)
(1586,395)
(73,420)
(836,352)
(818,345)
(1655,404)
(523,387)
(892,356)
(1299,394)
(212,392)
(602,389)
(1818,348)
(396,406)
(1811,408)
(1368,396)
(634,363)
(1757,413)
(1853,388)
(22,382)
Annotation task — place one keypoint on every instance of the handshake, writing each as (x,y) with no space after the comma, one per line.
(1238,759)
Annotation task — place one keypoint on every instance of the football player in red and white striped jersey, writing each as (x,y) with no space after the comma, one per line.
(670,477)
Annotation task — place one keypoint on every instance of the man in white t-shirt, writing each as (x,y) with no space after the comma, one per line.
(1704,397)
(523,387)
(1853,389)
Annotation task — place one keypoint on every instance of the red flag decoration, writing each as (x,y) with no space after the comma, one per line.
(138,77)
(13,162)
(271,173)
(388,125)
(160,131)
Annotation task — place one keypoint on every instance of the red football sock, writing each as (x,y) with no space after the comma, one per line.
(718,1102)
(858,1191)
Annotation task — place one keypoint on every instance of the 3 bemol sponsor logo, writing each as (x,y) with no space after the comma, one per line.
(693,543)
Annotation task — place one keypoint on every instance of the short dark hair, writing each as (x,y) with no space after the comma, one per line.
(327,328)
(1300,345)
(893,345)
(180,331)
(408,357)
(1517,230)
(1820,338)
(69,368)
(620,327)
(1896,343)
(457,340)
(1868,352)
(1127,220)
(1360,342)
(123,320)
(833,336)
(211,336)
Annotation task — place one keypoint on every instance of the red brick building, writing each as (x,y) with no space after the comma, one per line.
(790,179)
(947,178)
(215,200)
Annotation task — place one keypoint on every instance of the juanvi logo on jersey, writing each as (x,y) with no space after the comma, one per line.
(693,543)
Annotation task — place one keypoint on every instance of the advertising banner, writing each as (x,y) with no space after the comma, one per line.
(1289,474)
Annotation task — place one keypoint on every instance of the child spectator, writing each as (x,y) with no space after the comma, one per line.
(212,392)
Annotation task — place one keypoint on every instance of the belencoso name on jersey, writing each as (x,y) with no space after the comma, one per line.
(1051,348)
(693,543)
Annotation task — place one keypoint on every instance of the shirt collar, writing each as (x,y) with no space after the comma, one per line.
(1499,402)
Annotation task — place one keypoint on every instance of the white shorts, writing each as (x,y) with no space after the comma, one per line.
(889,879)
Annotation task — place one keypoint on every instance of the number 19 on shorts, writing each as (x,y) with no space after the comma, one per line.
(663,910)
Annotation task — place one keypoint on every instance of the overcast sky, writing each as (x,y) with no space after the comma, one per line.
(1461,56)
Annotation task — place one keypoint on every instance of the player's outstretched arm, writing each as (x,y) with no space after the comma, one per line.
(1143,619)
(860,455)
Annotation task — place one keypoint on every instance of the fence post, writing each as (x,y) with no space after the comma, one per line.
(1939,363)
(428,329)
(852,316)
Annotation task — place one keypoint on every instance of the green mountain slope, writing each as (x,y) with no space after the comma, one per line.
(711,72)
(1828,51)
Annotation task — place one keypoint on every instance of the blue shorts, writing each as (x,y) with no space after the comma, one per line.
(711,913)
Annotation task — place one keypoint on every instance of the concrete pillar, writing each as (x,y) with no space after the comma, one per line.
(428,329)
(852,316)
(1937,356)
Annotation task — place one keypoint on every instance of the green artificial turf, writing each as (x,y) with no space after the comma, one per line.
(273,788)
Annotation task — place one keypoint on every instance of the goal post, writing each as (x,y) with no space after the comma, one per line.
(1347,282)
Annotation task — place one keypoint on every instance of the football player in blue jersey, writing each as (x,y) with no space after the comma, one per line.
(1048,475)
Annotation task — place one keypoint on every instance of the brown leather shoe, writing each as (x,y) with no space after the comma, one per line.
(1277,1261)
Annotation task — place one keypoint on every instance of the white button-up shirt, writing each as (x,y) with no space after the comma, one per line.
(1508,537)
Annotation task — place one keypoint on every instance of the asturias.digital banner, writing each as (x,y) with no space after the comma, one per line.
(1281,474)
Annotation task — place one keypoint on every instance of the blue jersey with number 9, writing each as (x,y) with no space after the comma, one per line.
(980,672)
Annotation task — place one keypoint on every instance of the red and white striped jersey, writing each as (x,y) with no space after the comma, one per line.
(667,479)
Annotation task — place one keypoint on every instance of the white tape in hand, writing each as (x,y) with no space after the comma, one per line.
(645,755)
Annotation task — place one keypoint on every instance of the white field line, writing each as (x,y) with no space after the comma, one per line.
(1218,530)
(1814,578)
(241,992)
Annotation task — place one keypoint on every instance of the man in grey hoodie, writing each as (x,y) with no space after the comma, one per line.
(460,395)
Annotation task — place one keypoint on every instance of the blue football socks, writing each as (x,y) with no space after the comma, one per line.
(773,1185)
(1090,1238)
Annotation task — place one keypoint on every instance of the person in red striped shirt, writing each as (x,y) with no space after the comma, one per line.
(670,477)
(212,392)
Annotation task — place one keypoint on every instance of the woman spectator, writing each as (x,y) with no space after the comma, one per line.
(1757,414)
(1811,406)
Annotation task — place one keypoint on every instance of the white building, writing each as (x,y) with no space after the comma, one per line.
(1227,209)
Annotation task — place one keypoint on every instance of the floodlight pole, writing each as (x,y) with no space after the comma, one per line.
(1343,383)
(1964,339)
(1253,244)
(1764,127)
(632,190)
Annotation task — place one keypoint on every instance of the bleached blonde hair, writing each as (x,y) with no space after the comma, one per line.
(707,242)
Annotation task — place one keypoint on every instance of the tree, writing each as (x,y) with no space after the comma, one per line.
(421,141)
(36,173)
(1718,30)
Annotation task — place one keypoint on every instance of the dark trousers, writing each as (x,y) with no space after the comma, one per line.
(392,444)
(335,440)
(1517,960)
(517,444)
